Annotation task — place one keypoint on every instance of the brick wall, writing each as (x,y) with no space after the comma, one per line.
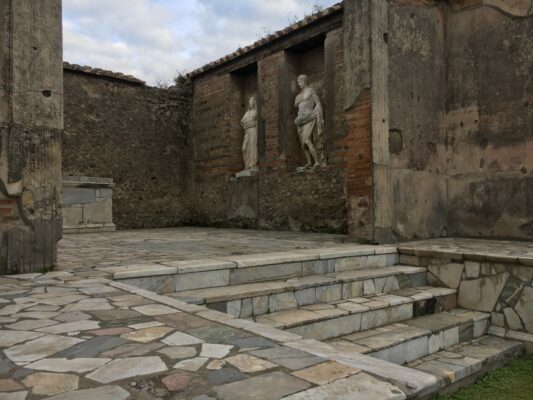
(279,197)
(136,135)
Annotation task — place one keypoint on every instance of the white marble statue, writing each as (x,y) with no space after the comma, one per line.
(310,124)
(249,145)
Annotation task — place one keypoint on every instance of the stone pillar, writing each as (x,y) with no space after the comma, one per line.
(31,121)
(366,107)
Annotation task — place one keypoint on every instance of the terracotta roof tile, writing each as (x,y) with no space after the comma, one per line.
(276,35)
(101,72)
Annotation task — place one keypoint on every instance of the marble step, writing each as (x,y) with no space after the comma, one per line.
(418,337)
(254,299)
(333,319)
(171,276)
(462,364)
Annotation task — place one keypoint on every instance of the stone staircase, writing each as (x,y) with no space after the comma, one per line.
(354,304)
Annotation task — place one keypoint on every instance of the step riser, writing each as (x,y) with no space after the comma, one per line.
(428,344)
(348,324)
(260,305)
(187,279)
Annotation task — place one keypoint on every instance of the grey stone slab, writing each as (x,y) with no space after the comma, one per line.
(100,393)
(93,347)
(265,273)
(270,386)
(123,368)
(524,308)
(224,375)
(361,387)
(78,196)
(328,329)
(438,322)
(252,342)
(219,334)
(319,267)
(287,357)
(282,301)
(200,280)
(481,294)
(40,348)
(6,367)
(113,315)
(158,284)
(305,297)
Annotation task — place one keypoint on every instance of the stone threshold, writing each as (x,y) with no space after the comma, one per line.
(458,254)
(248,261)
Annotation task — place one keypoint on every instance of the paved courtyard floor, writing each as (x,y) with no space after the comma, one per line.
(176,244)
(74,334)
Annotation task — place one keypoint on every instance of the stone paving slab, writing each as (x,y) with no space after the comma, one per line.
(141,349)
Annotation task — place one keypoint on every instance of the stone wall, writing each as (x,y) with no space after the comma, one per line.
(279,196)
(503,288)
(489,119)
(136,135)
(460,137)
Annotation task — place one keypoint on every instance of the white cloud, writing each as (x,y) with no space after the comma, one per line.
(156,39)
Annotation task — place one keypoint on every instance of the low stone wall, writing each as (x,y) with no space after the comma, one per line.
(87,204)
(500,285)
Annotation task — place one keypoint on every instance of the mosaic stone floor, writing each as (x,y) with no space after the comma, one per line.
(66,337)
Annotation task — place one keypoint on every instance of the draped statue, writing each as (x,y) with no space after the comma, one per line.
(249,145)
(310,124)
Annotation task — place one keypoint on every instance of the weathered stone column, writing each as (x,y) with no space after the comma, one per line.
(31,121)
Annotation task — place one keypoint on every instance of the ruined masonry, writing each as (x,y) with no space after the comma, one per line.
(378,153)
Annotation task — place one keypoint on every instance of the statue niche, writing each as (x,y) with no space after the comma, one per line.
(310,124)
(249,144)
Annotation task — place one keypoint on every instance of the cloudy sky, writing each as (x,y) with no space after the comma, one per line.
(157,39)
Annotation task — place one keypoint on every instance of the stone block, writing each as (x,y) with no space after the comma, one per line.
(104,193)
(158,284)
(448,274)
(318,267)
(481,294)
(200,280)
(282,301)
(374,319)
(233,308)
(265,273)
(369,287)
(352,289)
(524,308)
(78,196)
(497,319)
(260,305)
(350,263)
(305,297)
(329,329)
(326,294)
(472,269)
(377,261)
(512,318)
(246,308)
(481,327)
(72,216)
(100,211)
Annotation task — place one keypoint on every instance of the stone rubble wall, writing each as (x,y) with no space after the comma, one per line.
(136,135)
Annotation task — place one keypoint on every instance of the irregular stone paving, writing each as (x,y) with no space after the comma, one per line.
(72,334)
(128,343)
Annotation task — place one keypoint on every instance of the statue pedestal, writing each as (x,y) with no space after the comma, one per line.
(247,173)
